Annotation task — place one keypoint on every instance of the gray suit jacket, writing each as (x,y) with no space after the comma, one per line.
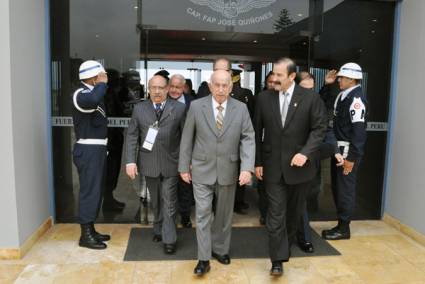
(163,159)
(215,156)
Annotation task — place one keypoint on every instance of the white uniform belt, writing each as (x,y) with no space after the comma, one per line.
(346,147)
(93,141)
(343,143)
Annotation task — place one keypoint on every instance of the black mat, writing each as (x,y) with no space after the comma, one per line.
(247,242)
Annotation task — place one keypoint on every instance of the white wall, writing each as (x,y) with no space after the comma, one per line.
(8,214)
(406,192)
(28,58)
(24,204)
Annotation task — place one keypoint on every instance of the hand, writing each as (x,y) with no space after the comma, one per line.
(102,78)
(186,177)
(339,160)
(131,170)
(259,173)
(244,177)
(330,77)
(347,167)
(298,160)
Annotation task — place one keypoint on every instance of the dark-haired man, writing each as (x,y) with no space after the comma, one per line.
(290,124)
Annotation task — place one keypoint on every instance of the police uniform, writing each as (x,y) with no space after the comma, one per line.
(89,154)
(349,127)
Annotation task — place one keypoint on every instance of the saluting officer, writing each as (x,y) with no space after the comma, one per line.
(349,127)
(89,154)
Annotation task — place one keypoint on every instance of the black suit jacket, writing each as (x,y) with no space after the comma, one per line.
(304,130)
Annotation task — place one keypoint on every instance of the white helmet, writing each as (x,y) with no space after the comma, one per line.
(89,69)
(351,70)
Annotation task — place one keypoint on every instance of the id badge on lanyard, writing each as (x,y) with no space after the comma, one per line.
(151,137)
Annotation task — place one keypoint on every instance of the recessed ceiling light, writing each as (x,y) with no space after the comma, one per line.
(300,15)
(203,38)
(374,20)
(255,41)
(372,31)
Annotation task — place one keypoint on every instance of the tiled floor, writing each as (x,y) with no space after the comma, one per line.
(376,254)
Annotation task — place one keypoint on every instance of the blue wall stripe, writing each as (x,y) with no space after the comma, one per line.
(49,110)
(392,106)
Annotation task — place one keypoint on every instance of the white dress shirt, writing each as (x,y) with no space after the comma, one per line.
(290,91)
(215,104)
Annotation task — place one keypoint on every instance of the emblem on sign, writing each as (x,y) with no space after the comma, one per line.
(232,8)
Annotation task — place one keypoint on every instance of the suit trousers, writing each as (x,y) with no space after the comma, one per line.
(213,233)
(163,192)
(185,197)
(304,230)
(285,206)
(90,161)
(262,198)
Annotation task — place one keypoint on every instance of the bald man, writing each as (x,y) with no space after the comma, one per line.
(157,125)
(218,134)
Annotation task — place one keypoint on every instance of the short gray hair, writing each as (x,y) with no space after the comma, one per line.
(178,77)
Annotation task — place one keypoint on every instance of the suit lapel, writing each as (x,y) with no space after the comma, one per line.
(228,118)
(276,108)
(293,105)
(209,115)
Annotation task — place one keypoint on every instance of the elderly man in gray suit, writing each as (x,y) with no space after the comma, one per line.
(155,129)
(218,133)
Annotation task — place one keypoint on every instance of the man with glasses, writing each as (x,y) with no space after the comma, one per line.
(157,125)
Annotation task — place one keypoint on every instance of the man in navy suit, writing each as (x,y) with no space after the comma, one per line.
(184,190)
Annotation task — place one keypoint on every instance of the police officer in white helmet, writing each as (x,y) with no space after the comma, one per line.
(89,154)
(349,128)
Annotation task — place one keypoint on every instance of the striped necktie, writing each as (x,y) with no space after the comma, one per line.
(220,118)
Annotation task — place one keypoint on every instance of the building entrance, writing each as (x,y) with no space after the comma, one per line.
(136,39)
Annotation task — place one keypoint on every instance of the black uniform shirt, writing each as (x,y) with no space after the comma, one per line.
(350,121)
(88,112)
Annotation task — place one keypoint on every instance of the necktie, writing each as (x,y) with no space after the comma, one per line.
(220,118)
(285,106)
(158,109)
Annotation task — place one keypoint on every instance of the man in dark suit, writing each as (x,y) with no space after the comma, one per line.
(185,190)
(158,123)
(290,125)
(217,150)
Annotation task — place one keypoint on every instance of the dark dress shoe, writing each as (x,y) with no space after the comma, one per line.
(277,268)
(306,247)
(336,234)
(262,221)
(88,238)
(169,248)
(157,238)
(223,259)
(202,267)
(185,221)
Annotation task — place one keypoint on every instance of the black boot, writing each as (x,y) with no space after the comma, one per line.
(99,236)
(88,238)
